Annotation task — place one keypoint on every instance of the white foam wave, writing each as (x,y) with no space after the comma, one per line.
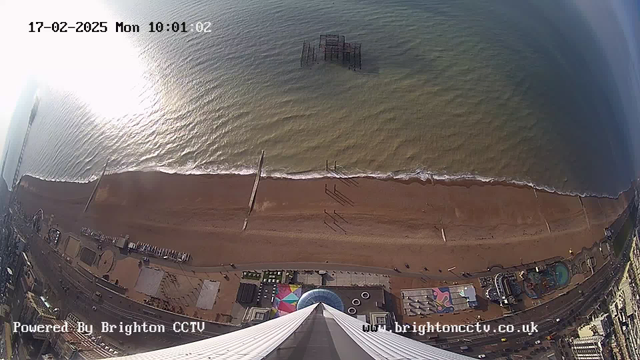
(421,175)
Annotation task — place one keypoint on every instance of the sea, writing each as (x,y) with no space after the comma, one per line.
(501,90)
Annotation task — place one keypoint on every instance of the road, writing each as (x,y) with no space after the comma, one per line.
(575,302)
(564,307)
(112,307)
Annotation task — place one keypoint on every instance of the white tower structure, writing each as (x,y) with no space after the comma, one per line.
(317,332)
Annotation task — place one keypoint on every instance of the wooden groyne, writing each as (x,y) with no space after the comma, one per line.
(93,193)
(252,199)
(254,191)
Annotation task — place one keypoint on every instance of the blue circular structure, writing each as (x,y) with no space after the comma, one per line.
(320,296)
(563,276)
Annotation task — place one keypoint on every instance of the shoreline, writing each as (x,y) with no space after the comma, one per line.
(365,222)
(409,177)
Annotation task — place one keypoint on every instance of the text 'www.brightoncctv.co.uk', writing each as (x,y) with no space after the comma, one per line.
(429,328)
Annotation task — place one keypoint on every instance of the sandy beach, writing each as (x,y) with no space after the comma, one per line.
(362,221)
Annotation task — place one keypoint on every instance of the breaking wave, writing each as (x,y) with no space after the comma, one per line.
(419,175)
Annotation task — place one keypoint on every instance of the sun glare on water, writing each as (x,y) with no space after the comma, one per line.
(103,70)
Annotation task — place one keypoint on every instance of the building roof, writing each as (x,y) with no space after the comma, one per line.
(246,293)
(320,296)
(317,331)
(444,299)
(208,294)
(120,242)
(40,305)
(88,348)
(588,340)
(595,327)
(7,338)
(256,314)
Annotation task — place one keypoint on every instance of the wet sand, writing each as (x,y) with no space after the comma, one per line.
(382,223)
